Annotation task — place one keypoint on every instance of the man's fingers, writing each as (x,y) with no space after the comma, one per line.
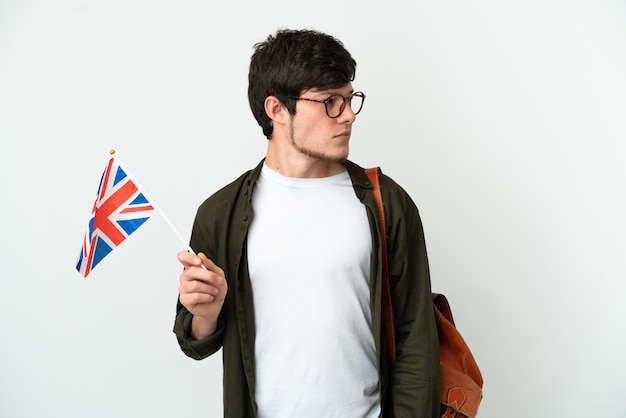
(200,286)
(217,278)
(196,298)
(201,281)
(188,259)
(210,265)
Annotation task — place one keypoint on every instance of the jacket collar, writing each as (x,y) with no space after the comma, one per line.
(356,172)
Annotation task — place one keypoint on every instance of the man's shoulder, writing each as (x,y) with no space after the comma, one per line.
(232,191)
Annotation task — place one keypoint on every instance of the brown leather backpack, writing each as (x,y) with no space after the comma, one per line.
(461,380)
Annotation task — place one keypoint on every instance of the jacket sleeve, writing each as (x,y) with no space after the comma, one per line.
(416,375)
(198,349)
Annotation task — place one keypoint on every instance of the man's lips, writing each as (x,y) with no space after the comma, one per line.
(343,135)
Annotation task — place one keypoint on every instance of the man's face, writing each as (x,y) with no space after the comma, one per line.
(316,135)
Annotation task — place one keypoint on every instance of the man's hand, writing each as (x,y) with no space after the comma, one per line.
(202,291)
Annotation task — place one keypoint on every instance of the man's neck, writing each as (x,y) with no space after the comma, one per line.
(300,166)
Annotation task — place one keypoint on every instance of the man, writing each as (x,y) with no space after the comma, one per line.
(287,279)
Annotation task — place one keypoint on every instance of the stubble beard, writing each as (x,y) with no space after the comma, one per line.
(313,154)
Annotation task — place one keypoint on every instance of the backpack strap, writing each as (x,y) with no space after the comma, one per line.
(387,308)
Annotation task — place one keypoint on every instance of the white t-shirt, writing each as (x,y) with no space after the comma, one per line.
(309,249)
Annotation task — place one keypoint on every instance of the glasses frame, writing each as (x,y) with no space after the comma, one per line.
(347,100)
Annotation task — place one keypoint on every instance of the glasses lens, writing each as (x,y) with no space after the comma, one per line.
(334,105)
(357,103)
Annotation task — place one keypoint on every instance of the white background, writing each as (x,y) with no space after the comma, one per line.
(504,120)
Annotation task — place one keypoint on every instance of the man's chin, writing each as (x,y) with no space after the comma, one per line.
(332,159)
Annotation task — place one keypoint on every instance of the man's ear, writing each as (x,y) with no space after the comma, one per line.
(275,109)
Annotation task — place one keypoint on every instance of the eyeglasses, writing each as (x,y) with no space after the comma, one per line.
(336,103)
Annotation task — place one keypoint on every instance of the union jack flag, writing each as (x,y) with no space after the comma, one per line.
(120,208)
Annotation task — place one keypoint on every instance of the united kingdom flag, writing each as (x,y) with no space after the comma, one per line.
(120,208)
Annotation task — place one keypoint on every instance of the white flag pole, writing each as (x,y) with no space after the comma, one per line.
(176,232)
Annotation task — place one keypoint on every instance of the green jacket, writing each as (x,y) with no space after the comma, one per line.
(411,389)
